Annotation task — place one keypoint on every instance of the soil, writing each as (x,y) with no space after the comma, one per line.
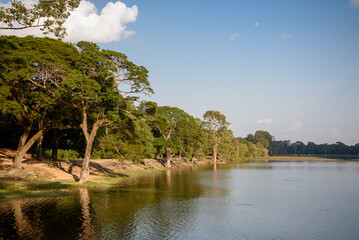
(49,170)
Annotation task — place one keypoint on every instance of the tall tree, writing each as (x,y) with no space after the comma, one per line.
(95,89)
(31,71)
(48,15)
(215,123)
(168,122)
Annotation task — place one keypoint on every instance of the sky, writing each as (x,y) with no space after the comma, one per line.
(287,67)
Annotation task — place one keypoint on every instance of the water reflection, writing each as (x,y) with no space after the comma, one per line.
(87,231)
(25,228)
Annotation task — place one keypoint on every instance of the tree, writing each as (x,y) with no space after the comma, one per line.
(188,136)
(250,138)
(168,121)
(264,138)
(215,123)
(227,145)
(94,90)
(129,137)
(31,72)
(48,15)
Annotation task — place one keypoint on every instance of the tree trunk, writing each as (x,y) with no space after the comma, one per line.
(90,137)
(39,142)
(215,154)
(19,152)
(85,171)
(25,146)
(55,146)
(39,148)
(168,157)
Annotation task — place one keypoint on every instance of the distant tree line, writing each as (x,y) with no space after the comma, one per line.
(285,147)
(299,148)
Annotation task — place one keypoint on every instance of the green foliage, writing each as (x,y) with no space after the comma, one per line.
(48,15)
(311,148)
(30,71)
(65,154)
(248,149)
(173,128)
(127,138)
(264,138)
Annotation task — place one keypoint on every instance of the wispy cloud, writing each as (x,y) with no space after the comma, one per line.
(256,24)
(233,36)
(285,36)
(265,121)
(85,23)
(354,3)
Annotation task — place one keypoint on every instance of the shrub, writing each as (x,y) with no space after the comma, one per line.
(66,154)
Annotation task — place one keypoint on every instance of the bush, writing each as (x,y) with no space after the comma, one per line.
(66,154)
(47,152)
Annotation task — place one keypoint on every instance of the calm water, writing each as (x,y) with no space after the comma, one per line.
(293,200)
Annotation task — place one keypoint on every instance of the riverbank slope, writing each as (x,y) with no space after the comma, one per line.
(102,171)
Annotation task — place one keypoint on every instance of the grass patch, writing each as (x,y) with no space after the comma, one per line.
(17,189)
(136,173)
(7,194)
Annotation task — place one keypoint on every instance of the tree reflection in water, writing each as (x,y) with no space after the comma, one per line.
(25,228)
(87,228)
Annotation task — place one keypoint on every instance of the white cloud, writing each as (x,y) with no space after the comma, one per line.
(109,26)
(86,24)
(265,121)
(295,127)
(233,36)
(256,24)
(285,36)
(354,3)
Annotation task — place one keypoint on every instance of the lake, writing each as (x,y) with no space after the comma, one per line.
(277,200)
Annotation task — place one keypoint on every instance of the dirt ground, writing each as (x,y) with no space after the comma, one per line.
(48,170)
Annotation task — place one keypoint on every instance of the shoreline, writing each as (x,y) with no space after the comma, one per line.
(47,177)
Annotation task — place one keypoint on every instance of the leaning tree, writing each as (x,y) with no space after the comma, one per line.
(31,72)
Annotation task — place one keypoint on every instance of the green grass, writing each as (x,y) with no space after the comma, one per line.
(14,189)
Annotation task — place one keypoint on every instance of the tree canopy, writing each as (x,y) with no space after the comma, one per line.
(48,15)
(31,71)
(216,125)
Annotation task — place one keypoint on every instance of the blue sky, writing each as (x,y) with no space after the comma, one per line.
(287,67)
